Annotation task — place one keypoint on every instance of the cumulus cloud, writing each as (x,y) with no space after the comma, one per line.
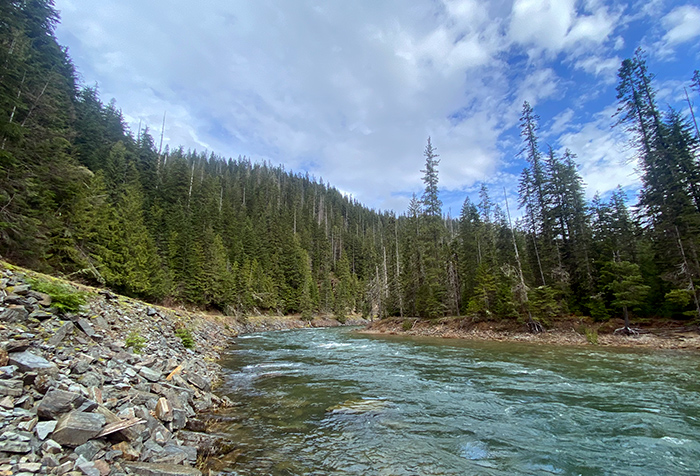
(682,24)
(349,91)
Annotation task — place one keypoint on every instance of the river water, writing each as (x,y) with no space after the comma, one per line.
(333,402)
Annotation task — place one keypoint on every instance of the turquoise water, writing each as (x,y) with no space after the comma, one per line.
(333,402)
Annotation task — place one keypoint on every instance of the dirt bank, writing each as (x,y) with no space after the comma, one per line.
(574,331)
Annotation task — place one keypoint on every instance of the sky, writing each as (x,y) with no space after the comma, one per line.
(349,91)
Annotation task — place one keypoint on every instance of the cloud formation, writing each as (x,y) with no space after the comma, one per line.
(349,91)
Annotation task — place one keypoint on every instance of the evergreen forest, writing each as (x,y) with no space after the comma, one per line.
(84,197)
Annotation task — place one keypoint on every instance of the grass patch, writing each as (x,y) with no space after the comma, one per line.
(64,297)
(136,341)
(185,336)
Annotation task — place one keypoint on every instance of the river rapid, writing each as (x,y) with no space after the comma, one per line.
(334,402)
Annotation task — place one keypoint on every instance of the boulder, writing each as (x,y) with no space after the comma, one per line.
(76,428)
(29,362)
(57,401)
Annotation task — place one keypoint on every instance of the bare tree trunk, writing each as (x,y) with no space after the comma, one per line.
(687,272)
(532,324)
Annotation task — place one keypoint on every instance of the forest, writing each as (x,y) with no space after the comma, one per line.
(84,197)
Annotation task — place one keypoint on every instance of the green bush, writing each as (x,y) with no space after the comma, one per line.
(64,297)
(136,341)
(186,337)
(407,325)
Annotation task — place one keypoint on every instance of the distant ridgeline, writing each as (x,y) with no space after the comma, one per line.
(81,196)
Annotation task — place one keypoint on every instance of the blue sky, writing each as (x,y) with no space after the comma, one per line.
(350,91)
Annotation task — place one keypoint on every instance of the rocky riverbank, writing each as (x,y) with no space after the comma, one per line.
(115,387)
(574,331)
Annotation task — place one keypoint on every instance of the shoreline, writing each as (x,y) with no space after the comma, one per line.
(116,387)
(571,332)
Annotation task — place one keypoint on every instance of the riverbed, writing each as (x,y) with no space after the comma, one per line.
(334,402)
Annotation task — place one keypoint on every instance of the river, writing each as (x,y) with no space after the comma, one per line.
(334,402)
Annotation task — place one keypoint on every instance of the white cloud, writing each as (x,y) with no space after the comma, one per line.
(552,26)
(682,24)
(604,155)
(349,91)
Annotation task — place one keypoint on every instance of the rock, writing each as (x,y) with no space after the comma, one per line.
(14,314)
(150,375)
(80,366)
(7,371)
(7,403)
(61,333)
(21,289)
(18,345)
(128,451)
(151,312)
(50,461)
(102,467)
(12,387)
(89,449)
(164,411)
(57,402)
(28,425)
(11,442)
(4,358)
(29,362)
(76,428)
(87,468)
(85,326)
(160,469)
(29,467)
(205,443)
(51,447)
(42,298)
(199,382)
(45,428)
(40,315)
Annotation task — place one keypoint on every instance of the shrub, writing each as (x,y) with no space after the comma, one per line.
(185,336)
(64,297)
(136,341)
(407,325)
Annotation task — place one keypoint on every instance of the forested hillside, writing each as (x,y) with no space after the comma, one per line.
(83,196)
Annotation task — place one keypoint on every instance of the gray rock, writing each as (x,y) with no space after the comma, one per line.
(21,289)
(14,314)
(206,444)
(91,379)
(150,375)
(61,333)
(179,419)
(199,382)
(18,345)
(12,388)
(8,371)
(89,449)
(45,428)
(159,469)
(76,428)
(42,298)
(87,468)
(40,315)
(29,362)
(57,401)
(151,312)
(50,461)
(85,326)
(13,298)
(51,447)
(11,442)
(29,467)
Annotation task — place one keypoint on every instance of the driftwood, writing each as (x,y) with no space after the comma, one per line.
(119,426)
